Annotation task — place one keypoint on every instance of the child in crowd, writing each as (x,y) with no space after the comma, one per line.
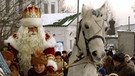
(60,62)
(9,58)
(65,56)
(39,63)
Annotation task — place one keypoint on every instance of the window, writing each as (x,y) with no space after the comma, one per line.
(59,46)
(53,8)
(46,8)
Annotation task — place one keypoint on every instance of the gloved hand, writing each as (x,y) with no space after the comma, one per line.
(60,71)
(50,69)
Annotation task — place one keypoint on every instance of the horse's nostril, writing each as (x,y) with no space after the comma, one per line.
(94,53)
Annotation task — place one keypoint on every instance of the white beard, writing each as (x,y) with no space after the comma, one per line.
(27,44)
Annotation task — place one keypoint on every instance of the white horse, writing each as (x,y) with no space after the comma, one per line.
(88,50)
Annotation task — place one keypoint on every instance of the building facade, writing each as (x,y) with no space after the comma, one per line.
(63,33)
(129,27)
(65,36)
(46,6)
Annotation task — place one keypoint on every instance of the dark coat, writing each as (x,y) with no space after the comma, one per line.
(124,70)
(133,59)
(32,72)
(108,65)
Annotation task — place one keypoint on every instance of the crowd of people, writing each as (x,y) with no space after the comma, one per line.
(38,63)
(118,64)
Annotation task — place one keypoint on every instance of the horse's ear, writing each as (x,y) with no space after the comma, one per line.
(84,9)
(102,8)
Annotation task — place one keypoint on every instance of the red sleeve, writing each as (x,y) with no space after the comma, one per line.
(50,50)
(14,36)
(47,36)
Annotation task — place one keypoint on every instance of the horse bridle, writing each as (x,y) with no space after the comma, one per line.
(89,54)
(87,41)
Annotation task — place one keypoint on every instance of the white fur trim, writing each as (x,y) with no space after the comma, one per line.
(30,22)
(50,43)
(11,41)
(52,63)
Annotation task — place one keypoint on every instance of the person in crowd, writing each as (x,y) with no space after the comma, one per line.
(39,65)
(66,59)
(108,64)
(109,51)
(129,62)
(120,66)
(101,72)
(61,63)
(65,56)
(9,59)
(32,36)
(133,58)
(8,56)
(38,62)
(69,54)
(14,67)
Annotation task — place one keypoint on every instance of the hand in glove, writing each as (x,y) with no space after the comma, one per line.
(50,69)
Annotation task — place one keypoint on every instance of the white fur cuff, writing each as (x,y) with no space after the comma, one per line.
(52,63)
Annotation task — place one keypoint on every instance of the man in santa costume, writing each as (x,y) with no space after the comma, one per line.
(31,36)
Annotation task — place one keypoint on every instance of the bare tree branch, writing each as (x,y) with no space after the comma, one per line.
(9,21)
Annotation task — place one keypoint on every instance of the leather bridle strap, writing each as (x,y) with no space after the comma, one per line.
(87,42)
(94,37)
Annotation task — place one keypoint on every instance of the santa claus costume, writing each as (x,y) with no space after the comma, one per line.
(25,42)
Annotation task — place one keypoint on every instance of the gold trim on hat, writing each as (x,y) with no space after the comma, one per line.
(31,12)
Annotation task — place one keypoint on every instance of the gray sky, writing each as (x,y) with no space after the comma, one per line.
(122,8)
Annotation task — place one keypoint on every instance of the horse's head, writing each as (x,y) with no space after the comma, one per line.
(93,29)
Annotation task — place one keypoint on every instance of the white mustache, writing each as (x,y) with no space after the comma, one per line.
(32,33)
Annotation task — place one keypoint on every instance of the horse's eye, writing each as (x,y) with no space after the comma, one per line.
(86,26)
(101,15)
(94,12)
